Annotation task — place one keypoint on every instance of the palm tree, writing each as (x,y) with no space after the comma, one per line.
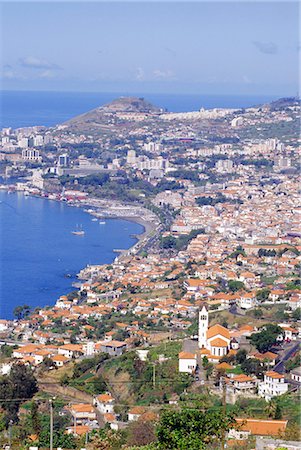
(271,408)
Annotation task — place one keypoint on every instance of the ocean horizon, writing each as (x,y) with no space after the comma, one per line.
(49,108)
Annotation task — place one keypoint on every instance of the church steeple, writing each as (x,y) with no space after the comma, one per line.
(203,325)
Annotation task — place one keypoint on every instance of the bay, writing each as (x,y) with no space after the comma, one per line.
(38,249)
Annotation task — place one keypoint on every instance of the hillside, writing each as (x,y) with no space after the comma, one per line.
(100,119)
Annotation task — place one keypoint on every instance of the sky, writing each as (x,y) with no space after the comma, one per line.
(172,47)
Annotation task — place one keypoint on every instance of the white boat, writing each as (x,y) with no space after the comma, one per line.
(94,219)
(102,222)
(78,231)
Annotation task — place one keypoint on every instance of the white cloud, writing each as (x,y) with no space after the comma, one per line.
(163,74)
(33,62)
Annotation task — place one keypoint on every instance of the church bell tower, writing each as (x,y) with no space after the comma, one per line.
(203,326)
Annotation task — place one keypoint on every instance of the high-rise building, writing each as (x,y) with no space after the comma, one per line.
(131,157)
(38,140)
(63,160)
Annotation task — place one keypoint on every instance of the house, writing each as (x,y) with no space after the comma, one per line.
(135,413)
(113,348)
(241,384)
(273,384)
(71,350)
(82,412)
(247,300)
(3,325)
(26,350)
(78,430)
(296,375)
(268,357)
(187,362)
(295,302)
(59,360)
(105,403)
(290,333)
(256,427)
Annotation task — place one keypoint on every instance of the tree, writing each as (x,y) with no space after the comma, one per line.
(235,286)
(241,356)
(253,366)
(267,338)
(7,350)
(20,312)
(278,412)
(141,433)
(192,429)
(18,386)
(263,294)
(271,408)
(296,315)
(35,418)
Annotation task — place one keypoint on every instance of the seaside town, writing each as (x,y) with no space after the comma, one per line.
(202,314)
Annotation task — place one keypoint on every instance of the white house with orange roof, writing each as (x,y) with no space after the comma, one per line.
(273,385)
(187,362)
(105,403)
(247,300)
(82,412)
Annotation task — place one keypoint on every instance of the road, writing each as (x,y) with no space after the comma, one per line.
(280,366)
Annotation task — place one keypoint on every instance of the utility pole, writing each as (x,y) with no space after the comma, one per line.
(74,425)
(10,433)
(154,375)
(224,402)
(51,424)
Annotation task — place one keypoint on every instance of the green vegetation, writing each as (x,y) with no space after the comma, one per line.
(267,338)
(20,312)
(220,198)
(180,242)
(192,429)
(16,387)
(151,381)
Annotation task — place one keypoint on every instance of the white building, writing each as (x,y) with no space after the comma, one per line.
(38,140)
(272,385)
(187,362)
(214,341)
(237,121)
(105,403)
(224,165)
(23,142)
(153,147)
(131,157)
(247,300)
(31,155)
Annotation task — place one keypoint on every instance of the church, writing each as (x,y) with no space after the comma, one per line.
(215,341)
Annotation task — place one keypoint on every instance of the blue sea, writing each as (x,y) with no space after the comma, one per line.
(38,249)
(28,108)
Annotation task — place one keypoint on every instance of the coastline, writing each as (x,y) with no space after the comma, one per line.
(140,239)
